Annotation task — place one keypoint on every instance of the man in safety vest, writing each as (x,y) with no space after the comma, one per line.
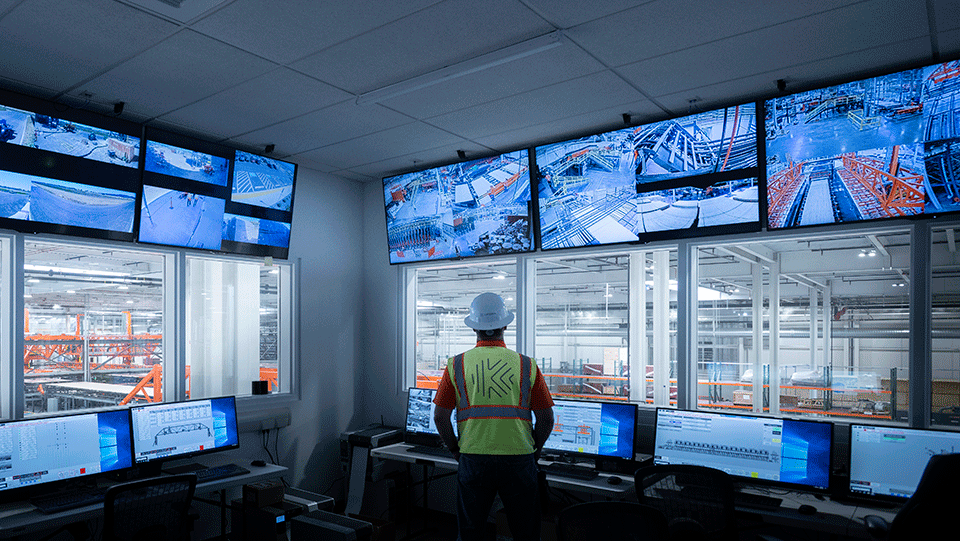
(494,391)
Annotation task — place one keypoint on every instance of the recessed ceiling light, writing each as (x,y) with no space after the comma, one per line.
(123,287)
(129,302)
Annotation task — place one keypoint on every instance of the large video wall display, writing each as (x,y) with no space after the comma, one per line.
(673,178)
(884,147)
(475,208)
(263,182)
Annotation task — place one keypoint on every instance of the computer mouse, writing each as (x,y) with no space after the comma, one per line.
(877,526)
(258,463)
(807,509)
(614,480)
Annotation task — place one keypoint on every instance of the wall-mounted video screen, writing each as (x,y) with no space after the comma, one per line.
(186,164)
(35,130)
(179,218)
(263,182)
(474,208)
(865,150)
(250,230)
(666,179)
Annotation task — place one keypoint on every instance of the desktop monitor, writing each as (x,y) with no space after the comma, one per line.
(420,428)
(37,452)
(886,462)
(167,431)
(758,449)
(594,429)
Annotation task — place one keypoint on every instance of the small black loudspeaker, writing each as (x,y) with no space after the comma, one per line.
(260,386)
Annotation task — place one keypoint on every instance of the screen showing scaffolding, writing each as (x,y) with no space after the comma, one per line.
(666,179)
(179,429)
(884,147)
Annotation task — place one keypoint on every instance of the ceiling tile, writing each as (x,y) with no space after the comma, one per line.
(336,123)
(570,13)
(55,44)
(590,93)
(946,14)
(949,43)
(765,50)
(443,34)
(300,27)
(661,27)
(569,127)
(352,175)
(398,141)
(181,70)
(423,159)
(531,72)
(276,96)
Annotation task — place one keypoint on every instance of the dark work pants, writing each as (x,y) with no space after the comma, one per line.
(514,477)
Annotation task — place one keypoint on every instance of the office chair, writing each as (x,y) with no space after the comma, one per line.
(622,521)
(697,501)
(154,509)
(929,512)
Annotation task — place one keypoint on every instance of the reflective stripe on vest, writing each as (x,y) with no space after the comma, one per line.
(521,411)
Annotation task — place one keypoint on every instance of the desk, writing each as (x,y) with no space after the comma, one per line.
(31,521)
(831,517)
(401,452)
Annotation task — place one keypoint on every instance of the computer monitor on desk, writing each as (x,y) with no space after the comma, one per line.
(168,431)
(420,428)
(37,454)
(592,429)
(765,450)
(886,462)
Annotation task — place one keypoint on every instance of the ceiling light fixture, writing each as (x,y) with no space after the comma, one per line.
(473,65)
(66,270)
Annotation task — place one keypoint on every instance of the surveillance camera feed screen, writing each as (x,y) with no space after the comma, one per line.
(39,451)
(682,174)
(256,231)
(420,408)
(761,448)
(465,209)
(878,148)
(38,199)
(186,164)
(263,182)
(34,130)
(888,461)
(180,218)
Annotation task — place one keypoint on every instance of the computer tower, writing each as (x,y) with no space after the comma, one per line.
(330,527)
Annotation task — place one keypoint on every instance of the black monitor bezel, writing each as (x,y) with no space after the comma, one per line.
(755,480)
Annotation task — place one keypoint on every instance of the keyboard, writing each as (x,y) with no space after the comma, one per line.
(756,501)
(219,472)
(432,451)
(583,473)
(68,499)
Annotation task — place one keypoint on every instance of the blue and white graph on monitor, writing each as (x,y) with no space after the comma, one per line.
(849,152)
(465,209)
(263,182)
(888,461)
(767,449)
(38,199)
(593,428)
(187,164)
(256,231)
(183,428)
(181,218)
(34,130)
(35,451)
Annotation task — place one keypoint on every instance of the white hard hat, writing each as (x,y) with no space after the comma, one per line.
(488,312)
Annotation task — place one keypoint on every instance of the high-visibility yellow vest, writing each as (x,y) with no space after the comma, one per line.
(494,387)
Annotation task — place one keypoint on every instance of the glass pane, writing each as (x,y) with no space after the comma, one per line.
(843,320)
(92,322)
(234,328)
(581,326)
(945,314)
(443,300)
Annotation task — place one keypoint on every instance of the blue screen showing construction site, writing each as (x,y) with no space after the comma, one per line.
(679,175)
(883,147)
(466,209)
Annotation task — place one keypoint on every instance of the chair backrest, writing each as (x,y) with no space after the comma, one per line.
(152,509)
(929,511)
(697,501)
(619,521)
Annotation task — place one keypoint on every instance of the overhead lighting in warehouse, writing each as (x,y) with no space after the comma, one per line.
(123,286)
(33,281)
(81,272)
(500,277)
(129,302)
(467,67)
(28,296)
(70,291)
